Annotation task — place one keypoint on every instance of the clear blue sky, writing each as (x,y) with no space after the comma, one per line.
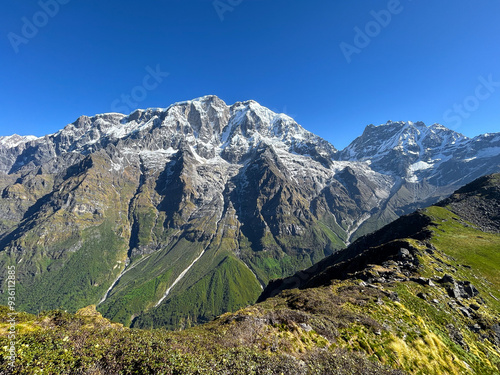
(287,55)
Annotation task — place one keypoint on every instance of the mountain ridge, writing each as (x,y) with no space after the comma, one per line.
(477,204)
(186,197)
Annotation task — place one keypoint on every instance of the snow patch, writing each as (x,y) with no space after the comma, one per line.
(15,140)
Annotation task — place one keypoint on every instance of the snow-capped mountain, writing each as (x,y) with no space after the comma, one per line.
(413,140)
(207,125)
(189,210)
(417,152)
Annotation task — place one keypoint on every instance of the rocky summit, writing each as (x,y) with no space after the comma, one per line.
(172,216)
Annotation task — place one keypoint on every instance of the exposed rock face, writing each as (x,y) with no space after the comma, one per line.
(485,213)
(170,204)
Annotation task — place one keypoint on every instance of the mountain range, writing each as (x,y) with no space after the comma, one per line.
(419,296)
(172,216)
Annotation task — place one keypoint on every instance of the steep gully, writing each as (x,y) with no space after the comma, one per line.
(133,232)
(183,273)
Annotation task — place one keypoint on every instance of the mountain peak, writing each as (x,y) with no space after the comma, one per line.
(404,147)
(15,140)
(215,129)
(207,99)
(211,127)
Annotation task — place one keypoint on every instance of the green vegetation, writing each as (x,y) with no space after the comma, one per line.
(347,327)
(78,234)
(284,255)
(228,287)
(146,281)
(77,278)
(62,343)
(465,244)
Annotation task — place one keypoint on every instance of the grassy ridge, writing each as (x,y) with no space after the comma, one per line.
(478,250)
(56,342)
